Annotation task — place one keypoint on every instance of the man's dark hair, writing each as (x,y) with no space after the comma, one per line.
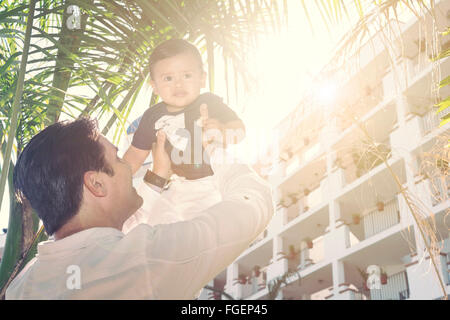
(49,172)
(171,48)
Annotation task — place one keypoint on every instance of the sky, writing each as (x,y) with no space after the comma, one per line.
(283,64)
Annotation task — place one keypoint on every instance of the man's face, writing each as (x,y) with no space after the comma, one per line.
(178,80)
(122,196)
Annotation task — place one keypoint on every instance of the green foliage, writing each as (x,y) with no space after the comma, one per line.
(275,284)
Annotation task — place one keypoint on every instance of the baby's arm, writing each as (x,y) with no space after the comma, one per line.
(135,157)
(235,125)
(232,131)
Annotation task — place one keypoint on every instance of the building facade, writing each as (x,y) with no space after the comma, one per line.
(362,185)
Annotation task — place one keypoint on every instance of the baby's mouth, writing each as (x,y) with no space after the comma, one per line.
(180,94)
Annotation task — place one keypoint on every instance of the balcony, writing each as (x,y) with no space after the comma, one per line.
(378,220)
(417,65)
(364,160)
(297,205)
(434,191)
(374,222)
(429,121)
(252,284)
(396,288)
(440,191)
(311,252)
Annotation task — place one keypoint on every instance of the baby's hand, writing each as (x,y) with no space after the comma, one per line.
(212,130)
(207,122)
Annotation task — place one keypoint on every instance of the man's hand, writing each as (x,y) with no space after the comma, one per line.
(161,160)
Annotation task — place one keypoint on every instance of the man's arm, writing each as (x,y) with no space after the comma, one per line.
(135,157)
(185,256)
(150,193)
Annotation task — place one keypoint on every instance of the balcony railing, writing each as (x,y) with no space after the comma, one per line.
(364,162)
(308,256)
(253,284)
(440,190)
(396,288)
(377,221)
(430,121)
(417,65)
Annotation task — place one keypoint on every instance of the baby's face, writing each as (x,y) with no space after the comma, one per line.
(178,80)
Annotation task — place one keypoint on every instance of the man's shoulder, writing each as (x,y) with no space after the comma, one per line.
(16,287)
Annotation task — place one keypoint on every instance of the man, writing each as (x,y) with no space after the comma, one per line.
(83,193)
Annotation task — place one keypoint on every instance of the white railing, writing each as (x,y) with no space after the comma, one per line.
(417,65)
(396,288)
(308,257)
(430,121)
(357,296)
(254,284)
(377,221)
(440,190)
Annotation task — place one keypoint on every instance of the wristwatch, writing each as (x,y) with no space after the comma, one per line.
(154,179)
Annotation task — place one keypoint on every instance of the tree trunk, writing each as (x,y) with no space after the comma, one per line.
(68,43)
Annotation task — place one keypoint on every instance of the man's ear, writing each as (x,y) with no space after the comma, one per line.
(95,184)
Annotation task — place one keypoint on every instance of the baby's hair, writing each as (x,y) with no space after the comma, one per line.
(171,48)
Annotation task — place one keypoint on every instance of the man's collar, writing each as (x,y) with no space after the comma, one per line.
(78,240)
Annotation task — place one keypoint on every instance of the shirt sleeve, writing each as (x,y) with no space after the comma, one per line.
(145,134)
(217,109)
(183,257)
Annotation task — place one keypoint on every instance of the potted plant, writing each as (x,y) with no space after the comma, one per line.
(380,205)
(292,253)
(338,163)
(293,197)
(306,192)
(383,277)
(256,271)
(356,218)
(306,141)
(283,203)
(309,243)
(442,164)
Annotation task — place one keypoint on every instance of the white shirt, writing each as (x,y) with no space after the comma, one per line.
(172,261)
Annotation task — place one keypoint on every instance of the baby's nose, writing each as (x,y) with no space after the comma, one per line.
(178,82)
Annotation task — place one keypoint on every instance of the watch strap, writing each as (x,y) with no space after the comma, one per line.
(154,179)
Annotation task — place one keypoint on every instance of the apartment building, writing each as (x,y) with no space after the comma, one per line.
(345,167)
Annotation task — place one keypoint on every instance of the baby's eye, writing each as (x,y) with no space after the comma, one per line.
(188,75)
(168,78)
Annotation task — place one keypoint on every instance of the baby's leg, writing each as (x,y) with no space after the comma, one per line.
(193,197)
